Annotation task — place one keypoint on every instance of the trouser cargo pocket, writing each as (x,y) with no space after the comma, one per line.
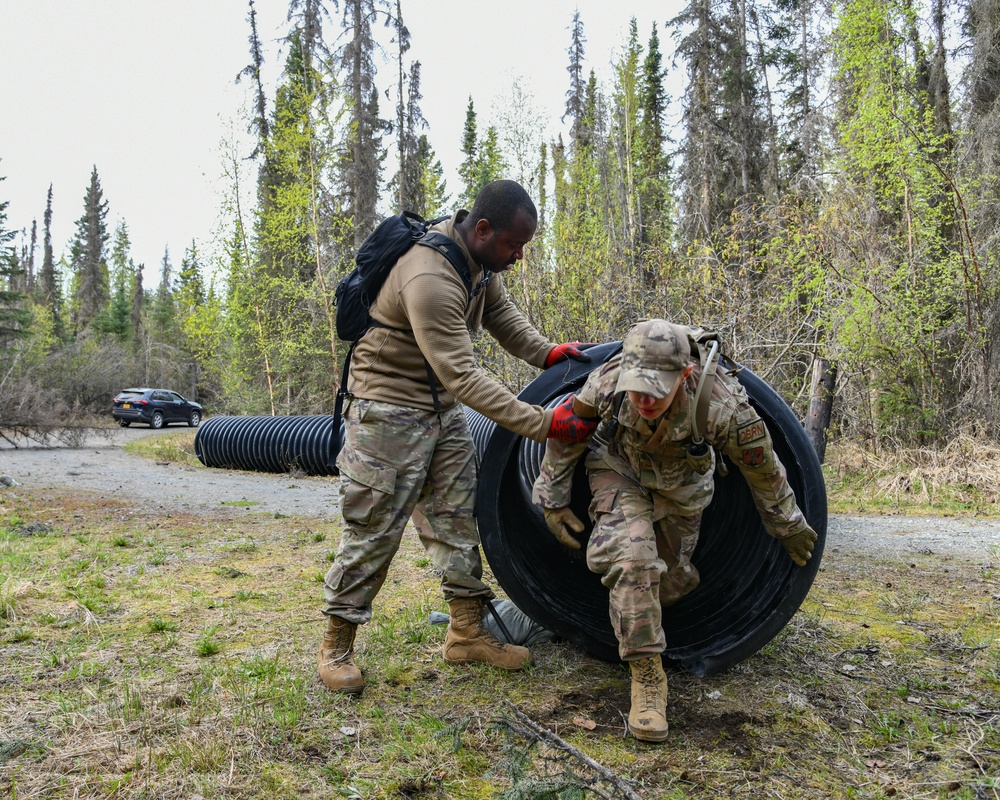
(367,488)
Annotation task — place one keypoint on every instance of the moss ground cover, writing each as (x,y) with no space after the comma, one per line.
(147,654)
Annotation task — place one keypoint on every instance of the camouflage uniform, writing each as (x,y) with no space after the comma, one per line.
(648,497)
(394,460)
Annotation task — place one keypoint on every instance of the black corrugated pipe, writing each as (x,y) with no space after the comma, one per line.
(266,444)
(749,586)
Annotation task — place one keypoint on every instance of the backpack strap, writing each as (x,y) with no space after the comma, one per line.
(451,250)
(431,380)
(338,410)
(503,628)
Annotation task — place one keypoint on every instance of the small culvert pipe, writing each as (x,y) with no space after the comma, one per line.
(749,588)
(267,444)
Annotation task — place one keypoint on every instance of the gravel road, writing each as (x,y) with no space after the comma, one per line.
(101,466)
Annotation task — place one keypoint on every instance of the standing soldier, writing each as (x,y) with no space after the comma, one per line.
(407,443)
(650,465)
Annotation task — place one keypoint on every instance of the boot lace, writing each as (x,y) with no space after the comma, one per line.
(342,641)
(649,679)
(491,640)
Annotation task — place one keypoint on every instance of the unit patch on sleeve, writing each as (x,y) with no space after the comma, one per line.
(751,432)
(753,456)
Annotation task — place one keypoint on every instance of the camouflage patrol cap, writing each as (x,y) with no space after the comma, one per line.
(654,353)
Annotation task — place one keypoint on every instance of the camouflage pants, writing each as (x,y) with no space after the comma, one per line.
(395,460)
(644,559)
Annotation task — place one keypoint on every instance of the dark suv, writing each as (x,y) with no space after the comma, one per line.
(155,407)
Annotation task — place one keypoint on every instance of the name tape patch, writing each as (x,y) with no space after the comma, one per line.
(751,432)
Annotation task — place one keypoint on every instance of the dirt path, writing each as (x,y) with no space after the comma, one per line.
(103,467)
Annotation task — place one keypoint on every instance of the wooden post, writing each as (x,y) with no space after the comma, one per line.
(824,376)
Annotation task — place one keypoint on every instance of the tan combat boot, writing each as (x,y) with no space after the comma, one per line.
(336,657)
(467,640)
(647,719)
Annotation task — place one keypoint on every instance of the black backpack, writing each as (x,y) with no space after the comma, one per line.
(377,255)
(358,289)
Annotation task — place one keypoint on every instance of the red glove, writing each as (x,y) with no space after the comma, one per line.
(562,352)
(567,426)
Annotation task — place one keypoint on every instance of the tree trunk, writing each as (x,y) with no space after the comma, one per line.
(824,376)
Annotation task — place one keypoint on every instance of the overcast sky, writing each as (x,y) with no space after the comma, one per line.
(144,90)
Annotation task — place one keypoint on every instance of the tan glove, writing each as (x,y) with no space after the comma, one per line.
(560,522)
(800,545)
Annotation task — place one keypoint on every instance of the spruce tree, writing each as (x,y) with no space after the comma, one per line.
(190,284)
(801,52)
(361,167)
(653,162)
(490,164)
(138,307)
(575,95)
(260,125)
(87,256)
(468,170)
(410,185)
(49,280)
(406,183)
(116,320)
(164,311)
(28,260)
(433,188)
(625,143)
(15,318)
(723,152)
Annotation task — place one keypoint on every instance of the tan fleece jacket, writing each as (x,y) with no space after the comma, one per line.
(426,301)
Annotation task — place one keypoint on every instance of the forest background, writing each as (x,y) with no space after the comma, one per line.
(833,194)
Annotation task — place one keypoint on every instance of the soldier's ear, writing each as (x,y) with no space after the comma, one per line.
(483,229)
(687,370)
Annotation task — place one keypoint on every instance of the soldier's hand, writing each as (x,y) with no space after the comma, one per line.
(562,352)
(800,545)
(568,426)
(560,522)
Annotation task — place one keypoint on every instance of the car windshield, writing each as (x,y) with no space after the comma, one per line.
(129,395)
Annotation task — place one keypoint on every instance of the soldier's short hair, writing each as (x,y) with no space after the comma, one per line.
(498,203)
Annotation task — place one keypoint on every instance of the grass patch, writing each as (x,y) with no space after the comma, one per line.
(182,681)
(962,478)
(177,447)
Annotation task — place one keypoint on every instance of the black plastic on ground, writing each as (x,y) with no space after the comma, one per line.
(266,444)
(749,586)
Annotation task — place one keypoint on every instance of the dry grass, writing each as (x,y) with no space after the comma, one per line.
(175,446)
(164,655)
(962,477)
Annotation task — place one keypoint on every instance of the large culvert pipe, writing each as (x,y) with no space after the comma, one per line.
(749,587)
(266,444)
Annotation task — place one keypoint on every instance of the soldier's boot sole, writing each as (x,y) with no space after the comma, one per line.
(463,651)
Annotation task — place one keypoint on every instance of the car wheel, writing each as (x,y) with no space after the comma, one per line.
(157,420)
(194,419)
(124,423)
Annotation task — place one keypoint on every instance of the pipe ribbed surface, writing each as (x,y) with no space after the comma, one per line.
(749,586)
(267,444)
